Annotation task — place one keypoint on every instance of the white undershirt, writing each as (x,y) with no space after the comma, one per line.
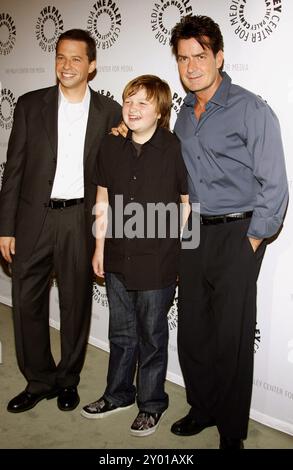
(72,122)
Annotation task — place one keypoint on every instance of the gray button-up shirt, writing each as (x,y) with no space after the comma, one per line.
(234,157)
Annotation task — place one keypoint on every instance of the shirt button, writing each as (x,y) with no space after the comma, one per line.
(128,258)
(198,158)
(132,198)
(201,181)
(197,134)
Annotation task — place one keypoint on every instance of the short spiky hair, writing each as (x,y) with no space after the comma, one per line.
(157,90)
(83,36)
(202,28)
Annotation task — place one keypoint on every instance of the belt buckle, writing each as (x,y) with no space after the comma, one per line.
(236,215)
(57,204)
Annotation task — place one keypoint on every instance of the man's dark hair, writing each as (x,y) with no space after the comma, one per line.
(202,28)
(82,36)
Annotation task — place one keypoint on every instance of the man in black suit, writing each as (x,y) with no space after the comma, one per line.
(46,219)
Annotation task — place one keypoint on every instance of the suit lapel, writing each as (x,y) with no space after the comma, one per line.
(93,129)
(50,116)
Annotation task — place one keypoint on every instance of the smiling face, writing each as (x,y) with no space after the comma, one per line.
(73,66)
(140,115)
(198,67)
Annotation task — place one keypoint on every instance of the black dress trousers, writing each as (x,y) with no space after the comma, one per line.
(216,325)
(62,248)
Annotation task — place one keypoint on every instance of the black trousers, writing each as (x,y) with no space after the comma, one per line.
(216,325)
(61,249)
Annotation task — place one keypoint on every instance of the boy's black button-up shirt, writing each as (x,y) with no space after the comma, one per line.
(141,252)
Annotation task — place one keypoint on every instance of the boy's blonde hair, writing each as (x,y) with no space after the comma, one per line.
(157,90)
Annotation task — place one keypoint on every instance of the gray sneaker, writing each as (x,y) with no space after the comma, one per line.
(145,423)
(101,408)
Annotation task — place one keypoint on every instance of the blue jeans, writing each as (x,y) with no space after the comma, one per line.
(138,334)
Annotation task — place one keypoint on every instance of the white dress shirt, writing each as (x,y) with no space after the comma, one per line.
(72,122)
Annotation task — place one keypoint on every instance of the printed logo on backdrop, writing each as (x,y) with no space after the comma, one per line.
(177,101)
(2,166)
(235,67)
(165,14)
(114,68)
(104,23)
(106,93)
(99,295)
(256,338)
(7,34)
(173,314)
(255,20)
(7,105)
(272,388)
(48,28)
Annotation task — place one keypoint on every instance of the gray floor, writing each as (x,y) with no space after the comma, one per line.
(45,427)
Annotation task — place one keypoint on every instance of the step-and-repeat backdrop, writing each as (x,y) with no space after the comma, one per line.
(132,39)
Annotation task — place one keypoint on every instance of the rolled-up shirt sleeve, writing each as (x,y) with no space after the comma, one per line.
(264,143)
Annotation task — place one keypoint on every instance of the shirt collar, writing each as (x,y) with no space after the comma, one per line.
(220,97)
(84,103)
(157,140)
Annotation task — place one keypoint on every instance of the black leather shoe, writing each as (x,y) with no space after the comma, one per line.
(231,443)
(188,426)
(26,400)
(68,399)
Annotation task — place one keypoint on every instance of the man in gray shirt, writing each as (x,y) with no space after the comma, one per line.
(232,149)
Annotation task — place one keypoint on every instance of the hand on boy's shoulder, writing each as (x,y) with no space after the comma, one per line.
(122,129)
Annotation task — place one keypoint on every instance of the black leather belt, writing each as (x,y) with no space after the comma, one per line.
(63,203)
(222,219)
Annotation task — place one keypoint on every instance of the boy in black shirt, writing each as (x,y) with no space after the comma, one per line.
(142,173)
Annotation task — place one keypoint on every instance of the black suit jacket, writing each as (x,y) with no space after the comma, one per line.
(31,163)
